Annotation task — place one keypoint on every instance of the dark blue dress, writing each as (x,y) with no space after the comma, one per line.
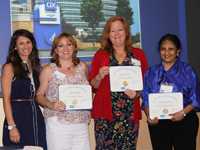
(27,115)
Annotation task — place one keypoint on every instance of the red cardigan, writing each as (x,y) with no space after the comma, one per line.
(102,105)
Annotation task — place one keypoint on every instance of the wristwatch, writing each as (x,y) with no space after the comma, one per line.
(10,127)
(184,114)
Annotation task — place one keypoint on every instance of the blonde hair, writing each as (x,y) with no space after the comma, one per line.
(55,58)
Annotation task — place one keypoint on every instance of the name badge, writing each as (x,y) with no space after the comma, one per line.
(135,62)
(59,75)
(166,88)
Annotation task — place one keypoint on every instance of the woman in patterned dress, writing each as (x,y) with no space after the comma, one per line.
(24,122)
(116,114)
(66,130)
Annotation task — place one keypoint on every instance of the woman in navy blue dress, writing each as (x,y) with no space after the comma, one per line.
(24,123)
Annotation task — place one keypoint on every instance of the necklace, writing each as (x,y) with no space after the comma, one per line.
(69,68)
(26,66)
(120,58)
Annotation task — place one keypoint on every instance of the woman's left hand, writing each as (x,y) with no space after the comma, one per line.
(130,93)
(178,116)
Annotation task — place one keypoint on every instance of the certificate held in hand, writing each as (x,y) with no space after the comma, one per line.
(125,77)
(76,96)
(163,104)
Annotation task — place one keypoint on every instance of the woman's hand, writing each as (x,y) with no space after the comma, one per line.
(153,121)
(178,116)
(56,105)
(150,121)
(131,93)
(14,135)
(103,71)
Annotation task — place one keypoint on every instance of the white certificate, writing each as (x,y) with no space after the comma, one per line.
(125,77)
(76,96)
(163,104)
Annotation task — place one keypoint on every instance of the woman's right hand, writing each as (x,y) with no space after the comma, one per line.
(103,71)
(56,105)
(153,121)
(14,135)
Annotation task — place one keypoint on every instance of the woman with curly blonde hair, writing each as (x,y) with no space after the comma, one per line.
(64,128)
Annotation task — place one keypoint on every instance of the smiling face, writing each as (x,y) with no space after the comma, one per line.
(23,47)
(117,34)
(64,49)
(168,52)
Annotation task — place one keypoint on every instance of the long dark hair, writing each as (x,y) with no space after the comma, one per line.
(170,37)
(14,58)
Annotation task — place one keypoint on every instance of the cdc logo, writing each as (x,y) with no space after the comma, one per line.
(50,5)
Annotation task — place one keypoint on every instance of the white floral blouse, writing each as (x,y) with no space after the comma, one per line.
(59,78)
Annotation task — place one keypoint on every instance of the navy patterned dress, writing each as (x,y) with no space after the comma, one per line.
(27,115)
(121,133)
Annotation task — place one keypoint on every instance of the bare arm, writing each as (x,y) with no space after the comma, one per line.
(7,76)
(85,67)
(44,80)
(45,77)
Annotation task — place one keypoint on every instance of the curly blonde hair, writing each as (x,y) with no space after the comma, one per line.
(55,59)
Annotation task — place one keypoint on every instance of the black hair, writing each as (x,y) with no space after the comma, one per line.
(14,58)
(170,37)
